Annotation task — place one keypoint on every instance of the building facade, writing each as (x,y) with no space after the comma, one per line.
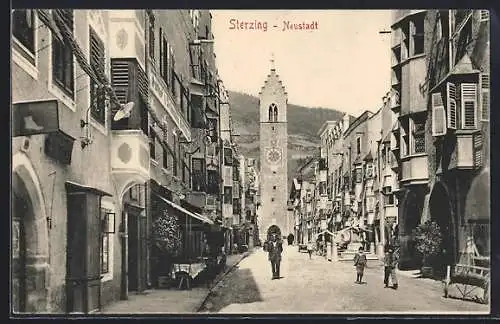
(273,156)
(115,120)
(441,71)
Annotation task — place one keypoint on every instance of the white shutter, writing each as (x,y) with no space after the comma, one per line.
(485,96)
(451,96)
(438,115)
(469,105)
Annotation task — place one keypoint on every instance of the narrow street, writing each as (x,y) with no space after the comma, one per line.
(319,286)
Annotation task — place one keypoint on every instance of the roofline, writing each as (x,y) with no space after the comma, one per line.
(325,125)
(364,116)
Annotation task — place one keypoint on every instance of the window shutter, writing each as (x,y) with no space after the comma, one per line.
(485,96)
(451,96)
(478,154)
(485,15)
(438,115)
(120,80)
(161,51)
(469,105)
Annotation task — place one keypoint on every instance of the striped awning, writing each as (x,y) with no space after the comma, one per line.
(187,212)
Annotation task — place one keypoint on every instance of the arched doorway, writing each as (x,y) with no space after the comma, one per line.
(410,220)
(273,229)
(440,212)
(133,248)
(29,240)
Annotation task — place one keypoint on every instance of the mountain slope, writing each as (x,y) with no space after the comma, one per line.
(303,125)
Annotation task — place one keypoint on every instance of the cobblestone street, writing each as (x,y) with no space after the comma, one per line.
(319,286)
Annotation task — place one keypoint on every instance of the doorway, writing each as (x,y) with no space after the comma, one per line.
(21,208)
(28,249)
(136,259)
(440,210)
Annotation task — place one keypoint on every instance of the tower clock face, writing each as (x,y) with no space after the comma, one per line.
(273,155)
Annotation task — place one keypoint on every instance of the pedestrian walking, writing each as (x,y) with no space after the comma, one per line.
(360,264)
(275,248)
(390,264)
(310,249)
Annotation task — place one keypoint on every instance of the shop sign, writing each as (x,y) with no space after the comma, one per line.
(35,117)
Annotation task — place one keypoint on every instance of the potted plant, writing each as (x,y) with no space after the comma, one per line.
(166,240)
(428,240)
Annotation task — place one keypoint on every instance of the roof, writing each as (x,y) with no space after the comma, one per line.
(464,66)
(362,118)
(369,156)
(325,126)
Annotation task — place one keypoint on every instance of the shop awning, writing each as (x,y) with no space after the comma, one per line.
(187,212)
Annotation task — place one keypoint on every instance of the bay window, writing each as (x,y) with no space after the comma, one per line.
(418,134)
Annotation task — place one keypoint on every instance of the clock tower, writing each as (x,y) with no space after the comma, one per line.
(273,156)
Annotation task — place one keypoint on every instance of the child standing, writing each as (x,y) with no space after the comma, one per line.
(360,263)
(310,249)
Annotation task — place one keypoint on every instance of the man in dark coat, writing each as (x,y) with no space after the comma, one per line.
(275,248)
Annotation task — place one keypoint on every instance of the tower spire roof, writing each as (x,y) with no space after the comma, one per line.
(272,61)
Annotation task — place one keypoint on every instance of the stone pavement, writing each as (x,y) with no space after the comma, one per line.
(320,286)
(161,301)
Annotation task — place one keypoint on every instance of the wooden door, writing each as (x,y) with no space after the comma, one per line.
(133,251)
(142,276)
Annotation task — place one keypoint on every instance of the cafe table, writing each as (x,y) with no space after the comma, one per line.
(187,271)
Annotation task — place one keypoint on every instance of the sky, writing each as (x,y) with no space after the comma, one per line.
(344,64)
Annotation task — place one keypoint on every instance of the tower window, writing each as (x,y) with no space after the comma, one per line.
(272,199)
(274,187)
(273,113)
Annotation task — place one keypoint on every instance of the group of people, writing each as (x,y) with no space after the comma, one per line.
(390,264)
(275,247)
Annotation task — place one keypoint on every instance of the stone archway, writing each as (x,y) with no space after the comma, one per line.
(273,229)
(441,213)
(30,246)
(478,212)
(132,223)
(408,222)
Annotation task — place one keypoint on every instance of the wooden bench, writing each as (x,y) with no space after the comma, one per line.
(467,278)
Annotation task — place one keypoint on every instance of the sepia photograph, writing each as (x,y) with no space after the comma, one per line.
(196,161)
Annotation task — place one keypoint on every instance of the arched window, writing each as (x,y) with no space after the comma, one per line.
(273,113)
